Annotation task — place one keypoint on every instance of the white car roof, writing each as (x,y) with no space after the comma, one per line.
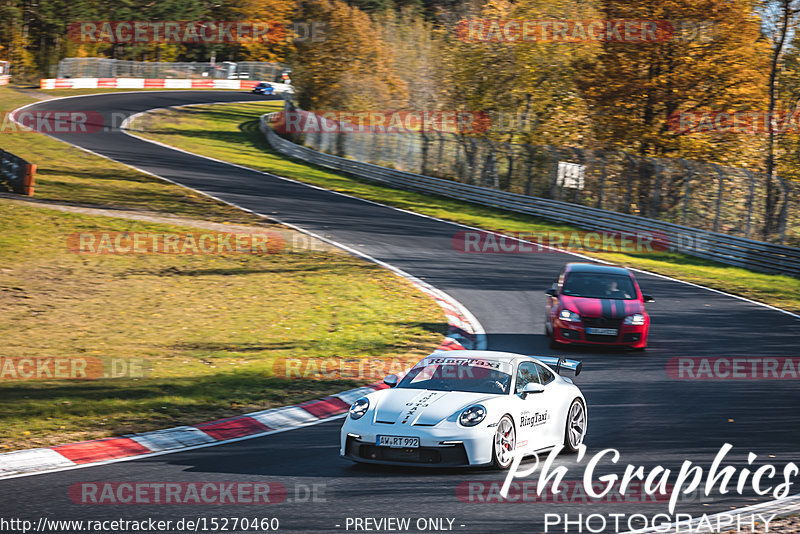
(481,355)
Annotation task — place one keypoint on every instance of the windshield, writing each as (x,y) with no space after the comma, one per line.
(459,374)
(599,286)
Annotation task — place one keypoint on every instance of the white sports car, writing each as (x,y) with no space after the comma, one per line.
(467,408)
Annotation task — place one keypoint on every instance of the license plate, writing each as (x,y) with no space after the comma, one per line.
(397,442)
(602,331)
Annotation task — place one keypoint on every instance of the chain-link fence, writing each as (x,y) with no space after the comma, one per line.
(691,193)
(95,67)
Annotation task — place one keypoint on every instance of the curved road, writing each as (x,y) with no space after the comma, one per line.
(633,405)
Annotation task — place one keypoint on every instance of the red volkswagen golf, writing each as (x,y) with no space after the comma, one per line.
(597,304)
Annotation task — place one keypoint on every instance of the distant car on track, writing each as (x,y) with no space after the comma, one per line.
(467,408)
(263,88)
(597,304)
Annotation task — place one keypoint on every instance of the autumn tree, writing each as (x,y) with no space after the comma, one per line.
(706,56)
(527,85)
(780,21)
(278,15)
(710,58)
(351,68)
(417,49)
(787,145)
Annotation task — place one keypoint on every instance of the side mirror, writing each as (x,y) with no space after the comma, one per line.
(648,298)
(551,292)
(390,381)
(532,387)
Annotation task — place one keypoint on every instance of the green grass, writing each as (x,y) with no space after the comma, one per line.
(209,327)
(68,174)
(213,330)
(230,132)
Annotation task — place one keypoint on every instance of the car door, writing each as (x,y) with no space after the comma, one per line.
(535,420)
(548,404)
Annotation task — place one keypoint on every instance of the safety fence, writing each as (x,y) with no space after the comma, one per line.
(701,195)
(95,67)
(742,252)
(150,83)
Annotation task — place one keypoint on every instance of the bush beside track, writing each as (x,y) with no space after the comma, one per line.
(230,132)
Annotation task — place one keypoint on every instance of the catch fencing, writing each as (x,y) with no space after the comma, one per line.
(702,195)
(742,252)
(94,67)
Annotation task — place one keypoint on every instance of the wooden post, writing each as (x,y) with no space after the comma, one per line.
(27,183)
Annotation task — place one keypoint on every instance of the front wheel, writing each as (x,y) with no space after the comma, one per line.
(505,441)
(575,427)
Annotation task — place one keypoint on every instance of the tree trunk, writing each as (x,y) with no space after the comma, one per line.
(771,199)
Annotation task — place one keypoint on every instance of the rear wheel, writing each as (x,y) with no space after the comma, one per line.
(575,428)
(505,441)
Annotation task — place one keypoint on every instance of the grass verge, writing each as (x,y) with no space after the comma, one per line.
(214,331)
(230,132)
(68,174)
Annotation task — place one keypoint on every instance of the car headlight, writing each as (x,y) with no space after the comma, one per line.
(569,316)
(635,319)
(359,408)
(472,415)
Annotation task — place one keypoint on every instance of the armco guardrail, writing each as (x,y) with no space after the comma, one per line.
(17,173)
(747,253)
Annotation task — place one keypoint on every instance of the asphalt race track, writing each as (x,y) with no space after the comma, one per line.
(634,406)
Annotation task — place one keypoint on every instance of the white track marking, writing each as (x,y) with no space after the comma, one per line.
(161,453)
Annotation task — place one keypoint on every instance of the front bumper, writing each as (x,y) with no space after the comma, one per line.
(633,336)
(438,447)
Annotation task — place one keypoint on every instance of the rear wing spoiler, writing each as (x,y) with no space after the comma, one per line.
(561,363)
